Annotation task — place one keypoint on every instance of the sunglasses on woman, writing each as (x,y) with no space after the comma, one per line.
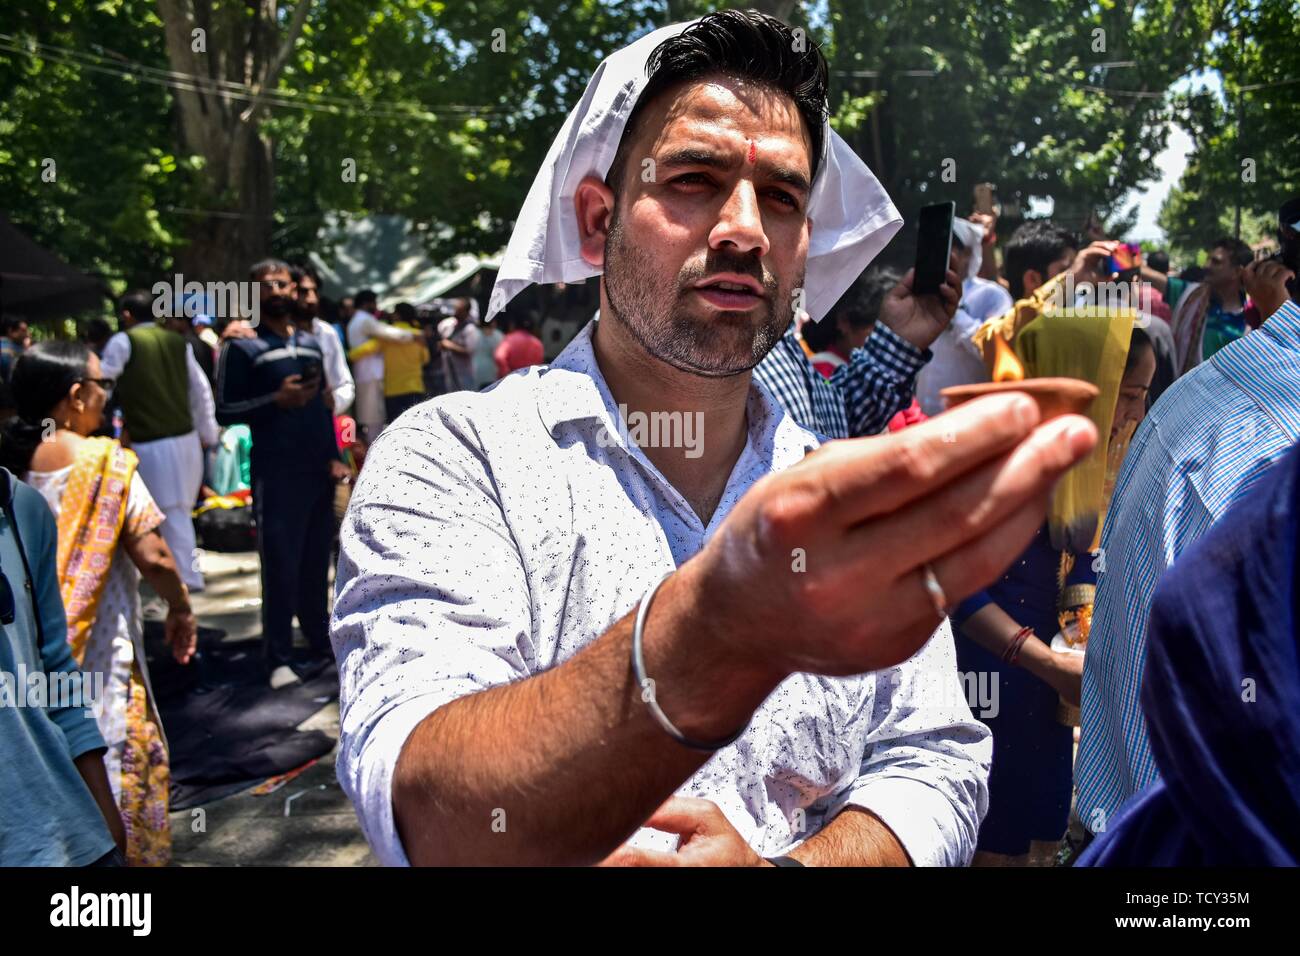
(107,384)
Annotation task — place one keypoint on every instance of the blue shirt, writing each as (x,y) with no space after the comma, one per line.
(47,815)
(1204,445)
(859,399)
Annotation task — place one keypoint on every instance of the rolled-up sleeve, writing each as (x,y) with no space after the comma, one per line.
(431,605)
(878,380)
(925,770)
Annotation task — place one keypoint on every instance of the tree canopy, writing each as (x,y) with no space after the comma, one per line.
(133,145)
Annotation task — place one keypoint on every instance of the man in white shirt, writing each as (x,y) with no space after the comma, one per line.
(458,338)
(499,704)
(338,379)
(170,418)
(368,371)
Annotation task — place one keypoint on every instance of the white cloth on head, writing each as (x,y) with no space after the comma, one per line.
(971,235)
(853,217)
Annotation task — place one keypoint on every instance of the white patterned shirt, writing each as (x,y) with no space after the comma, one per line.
(493,535)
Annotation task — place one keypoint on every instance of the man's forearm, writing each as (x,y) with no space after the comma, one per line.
(562,767)
(91,767)
(856,837)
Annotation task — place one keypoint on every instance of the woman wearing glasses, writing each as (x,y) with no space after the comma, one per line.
(108,536)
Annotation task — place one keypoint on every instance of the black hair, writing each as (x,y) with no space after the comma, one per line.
(1238,251)
(405,312)
(10,323)
(1035,245)
(860,306)
(1136,346)
(41,378)
(740,43)
(265,267)
(1193,274)
(138,304)
(298,270)
(1159,260)
(365,296)
(820,336)
(97,330)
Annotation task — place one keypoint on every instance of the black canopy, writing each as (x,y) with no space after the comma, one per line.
(37,284)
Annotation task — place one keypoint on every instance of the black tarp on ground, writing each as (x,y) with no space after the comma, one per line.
(226,729)
(37,284)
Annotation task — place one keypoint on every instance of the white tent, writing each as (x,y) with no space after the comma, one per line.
(383,253)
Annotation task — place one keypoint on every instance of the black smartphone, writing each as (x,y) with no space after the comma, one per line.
(933,247)
(311,369)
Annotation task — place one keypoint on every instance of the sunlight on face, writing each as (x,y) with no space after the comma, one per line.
(702,263)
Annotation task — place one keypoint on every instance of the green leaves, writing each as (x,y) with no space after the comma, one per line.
(446,130)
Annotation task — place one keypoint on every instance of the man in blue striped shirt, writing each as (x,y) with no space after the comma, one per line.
(1204,445)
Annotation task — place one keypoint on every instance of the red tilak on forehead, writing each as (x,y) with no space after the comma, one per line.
(753,151)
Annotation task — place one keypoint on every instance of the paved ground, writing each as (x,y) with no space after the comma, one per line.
(307,821)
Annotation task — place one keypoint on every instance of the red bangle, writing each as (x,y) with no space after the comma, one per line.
(1012,654)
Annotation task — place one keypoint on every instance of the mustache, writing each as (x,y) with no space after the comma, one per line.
(721,261)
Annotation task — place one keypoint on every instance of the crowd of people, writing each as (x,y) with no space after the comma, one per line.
(757,650)
(125,433)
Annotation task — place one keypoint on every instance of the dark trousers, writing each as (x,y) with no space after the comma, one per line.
(295,527)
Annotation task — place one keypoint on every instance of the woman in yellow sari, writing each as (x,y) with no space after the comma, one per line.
(108,528)
(1007,630)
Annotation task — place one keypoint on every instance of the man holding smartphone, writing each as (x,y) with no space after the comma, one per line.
(272,383)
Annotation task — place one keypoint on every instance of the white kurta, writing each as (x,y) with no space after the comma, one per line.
(173,467)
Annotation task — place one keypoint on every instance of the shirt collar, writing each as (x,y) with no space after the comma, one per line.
(572,389)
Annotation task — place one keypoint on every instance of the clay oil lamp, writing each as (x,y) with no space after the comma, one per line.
(1055,396)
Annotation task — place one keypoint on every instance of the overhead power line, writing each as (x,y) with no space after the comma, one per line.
(229,89)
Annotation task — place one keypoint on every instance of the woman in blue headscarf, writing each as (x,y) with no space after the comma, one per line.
(1221,695)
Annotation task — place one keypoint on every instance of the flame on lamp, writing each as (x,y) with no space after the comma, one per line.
(1006,366)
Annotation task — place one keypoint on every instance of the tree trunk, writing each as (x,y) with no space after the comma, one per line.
(220,105)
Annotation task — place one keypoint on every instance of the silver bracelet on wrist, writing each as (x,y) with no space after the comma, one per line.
(644,683)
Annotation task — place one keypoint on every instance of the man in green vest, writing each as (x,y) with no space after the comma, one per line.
(169,417)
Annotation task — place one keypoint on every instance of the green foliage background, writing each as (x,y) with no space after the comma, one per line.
(449,133)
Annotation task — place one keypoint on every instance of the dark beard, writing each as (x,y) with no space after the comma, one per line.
(278,307)
(656,314)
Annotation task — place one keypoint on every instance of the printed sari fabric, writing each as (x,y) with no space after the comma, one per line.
(91,518)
